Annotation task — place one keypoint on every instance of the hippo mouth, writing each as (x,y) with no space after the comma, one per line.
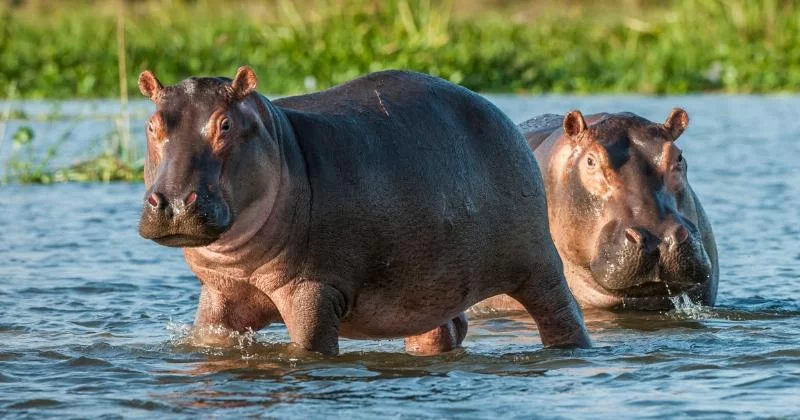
(653,288)
(650,295)
(695,293)
(183,241)
(652,283)
(195,229)
(181,236)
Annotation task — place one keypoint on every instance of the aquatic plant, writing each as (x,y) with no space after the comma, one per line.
(29,165)
(25,165)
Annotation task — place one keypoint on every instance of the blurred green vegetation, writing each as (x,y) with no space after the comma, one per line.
(68,49)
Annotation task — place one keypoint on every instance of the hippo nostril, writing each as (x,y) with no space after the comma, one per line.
(154,200)
(190,199)
(678,236)
(633,236)
(682,235)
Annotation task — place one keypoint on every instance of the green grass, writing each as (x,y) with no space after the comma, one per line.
(688,46)
(575,46)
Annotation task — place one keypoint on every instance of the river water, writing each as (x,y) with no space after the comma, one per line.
(95,321)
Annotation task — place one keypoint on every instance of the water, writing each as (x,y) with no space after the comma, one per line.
(95,321)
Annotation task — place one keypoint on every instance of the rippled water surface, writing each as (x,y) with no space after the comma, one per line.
(96,321)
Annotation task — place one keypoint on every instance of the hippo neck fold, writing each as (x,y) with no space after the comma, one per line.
(263,230)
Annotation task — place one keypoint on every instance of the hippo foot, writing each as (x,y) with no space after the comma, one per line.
(439,340)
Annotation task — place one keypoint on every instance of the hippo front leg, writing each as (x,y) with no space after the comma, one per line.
(441,339)
(244,308)
(313,316)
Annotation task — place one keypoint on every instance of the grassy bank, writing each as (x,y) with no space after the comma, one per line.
(296,46)
(91,49)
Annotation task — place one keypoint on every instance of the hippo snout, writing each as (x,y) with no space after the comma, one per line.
(639,261)
(184,220)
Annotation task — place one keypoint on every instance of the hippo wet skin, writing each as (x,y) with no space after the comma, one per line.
(628,226)
(380,208)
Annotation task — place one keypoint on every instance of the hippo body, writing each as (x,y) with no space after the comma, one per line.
(380,208)
(630,230)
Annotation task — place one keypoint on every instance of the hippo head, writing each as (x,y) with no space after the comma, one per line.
(204,134)
(623,214)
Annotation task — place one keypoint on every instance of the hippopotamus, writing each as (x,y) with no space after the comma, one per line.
(629,228)
(380,208)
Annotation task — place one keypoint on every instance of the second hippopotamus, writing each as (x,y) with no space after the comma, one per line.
(628,226)
(380,208)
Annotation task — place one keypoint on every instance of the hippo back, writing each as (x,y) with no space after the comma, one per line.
(538,128)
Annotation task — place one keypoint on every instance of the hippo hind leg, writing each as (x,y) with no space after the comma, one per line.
(547,298)
(441,339)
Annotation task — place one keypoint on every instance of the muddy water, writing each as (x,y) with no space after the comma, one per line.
(95,321)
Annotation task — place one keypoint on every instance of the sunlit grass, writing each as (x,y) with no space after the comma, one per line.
(296,46)
(621,46)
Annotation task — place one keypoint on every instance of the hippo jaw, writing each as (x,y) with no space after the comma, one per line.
(590,294)
(687,273)
(698,293)
(650,281)
(655,293)
(182,241)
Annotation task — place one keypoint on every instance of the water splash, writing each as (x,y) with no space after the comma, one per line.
(266,346)
(685,307)
(210,339)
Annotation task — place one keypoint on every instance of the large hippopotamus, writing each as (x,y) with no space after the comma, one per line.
(629,228)
(380,208)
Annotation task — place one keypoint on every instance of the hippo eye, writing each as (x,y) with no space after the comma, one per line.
(224,125)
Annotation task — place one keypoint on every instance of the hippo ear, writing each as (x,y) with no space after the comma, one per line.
(243,83)
(574,123)
(677,121)
(150,86)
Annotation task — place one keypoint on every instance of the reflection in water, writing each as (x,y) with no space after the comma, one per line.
(94,321)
